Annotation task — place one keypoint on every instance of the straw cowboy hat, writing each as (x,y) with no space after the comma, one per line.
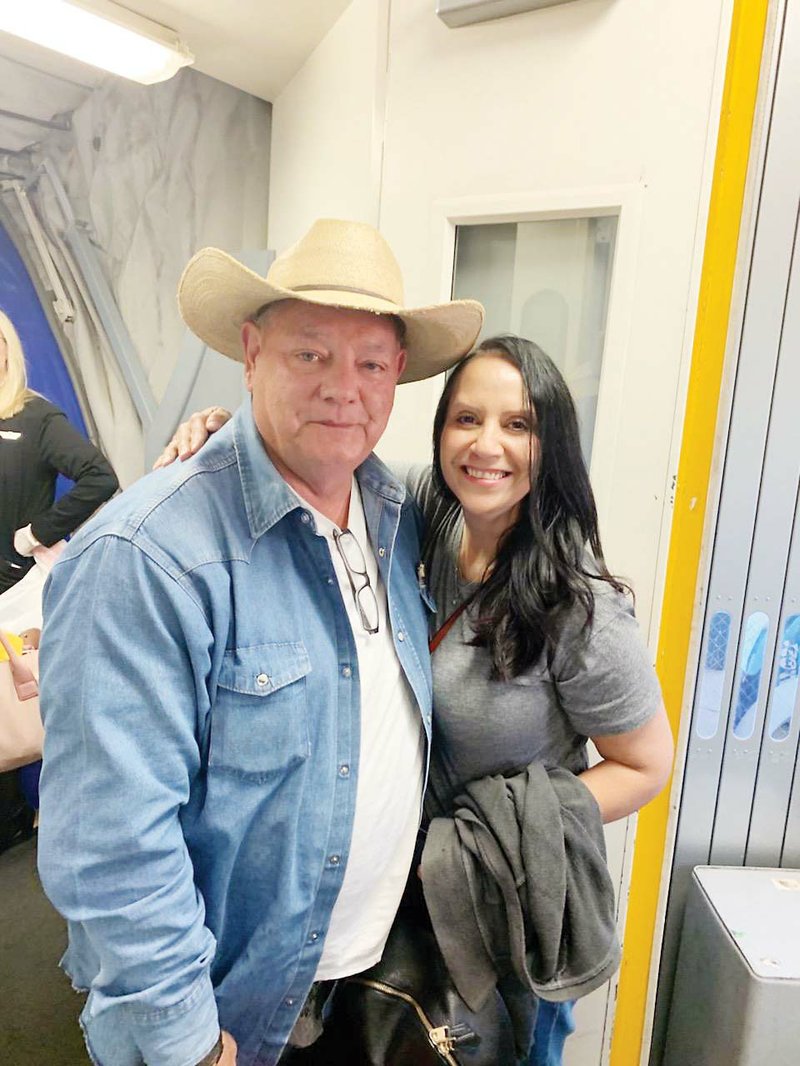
(339,264)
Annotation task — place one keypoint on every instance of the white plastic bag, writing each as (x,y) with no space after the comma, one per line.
(21,605)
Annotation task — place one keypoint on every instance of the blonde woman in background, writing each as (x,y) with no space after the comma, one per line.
(37,443)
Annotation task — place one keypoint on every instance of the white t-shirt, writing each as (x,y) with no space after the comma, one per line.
(390,777)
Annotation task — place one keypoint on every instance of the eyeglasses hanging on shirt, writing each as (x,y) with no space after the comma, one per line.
(356,567)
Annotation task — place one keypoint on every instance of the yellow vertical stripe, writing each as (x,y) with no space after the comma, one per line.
(716,286)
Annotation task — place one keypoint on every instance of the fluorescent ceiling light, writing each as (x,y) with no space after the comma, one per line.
(99,33)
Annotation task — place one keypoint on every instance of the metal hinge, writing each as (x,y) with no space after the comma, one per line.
(440,1038)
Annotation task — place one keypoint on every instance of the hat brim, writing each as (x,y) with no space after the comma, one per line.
(217,293)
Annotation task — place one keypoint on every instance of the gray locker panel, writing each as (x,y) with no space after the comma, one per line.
(762,603)
(760,343)
(770,817)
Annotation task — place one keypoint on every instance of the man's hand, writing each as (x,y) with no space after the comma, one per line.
(191,435)
(228,1057)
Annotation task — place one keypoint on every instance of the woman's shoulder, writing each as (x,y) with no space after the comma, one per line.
(418,482)
(610,603)
(610,632)
(33,412)
(611,599)
(39,407)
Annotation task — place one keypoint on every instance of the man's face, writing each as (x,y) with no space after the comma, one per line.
(322,381)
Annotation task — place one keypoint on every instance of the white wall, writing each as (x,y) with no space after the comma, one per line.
(324,132)
(591,95)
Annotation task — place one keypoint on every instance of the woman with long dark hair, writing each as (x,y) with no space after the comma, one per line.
(544,652)
(539,648)
(512,532)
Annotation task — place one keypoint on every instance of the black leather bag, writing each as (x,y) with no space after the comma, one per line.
(405,1011)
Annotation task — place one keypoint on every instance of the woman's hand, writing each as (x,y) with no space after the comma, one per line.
(635,767)
(191,435)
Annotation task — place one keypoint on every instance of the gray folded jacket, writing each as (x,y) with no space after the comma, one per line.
(516,882)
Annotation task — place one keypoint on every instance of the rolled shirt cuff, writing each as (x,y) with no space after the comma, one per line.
(25,542)
(179,1035)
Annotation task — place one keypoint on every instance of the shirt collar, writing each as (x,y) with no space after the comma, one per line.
(267,497)
(324,525)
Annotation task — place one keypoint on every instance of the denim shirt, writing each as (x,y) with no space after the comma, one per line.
(200,692)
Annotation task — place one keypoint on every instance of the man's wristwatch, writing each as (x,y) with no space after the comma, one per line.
(214,1055)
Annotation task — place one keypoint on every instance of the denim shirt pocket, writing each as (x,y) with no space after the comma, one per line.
(259,723)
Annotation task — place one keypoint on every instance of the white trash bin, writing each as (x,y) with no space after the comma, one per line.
(736,1000)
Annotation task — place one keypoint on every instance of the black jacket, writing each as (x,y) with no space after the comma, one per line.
(36,445)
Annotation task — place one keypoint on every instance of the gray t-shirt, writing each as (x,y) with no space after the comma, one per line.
(601,681)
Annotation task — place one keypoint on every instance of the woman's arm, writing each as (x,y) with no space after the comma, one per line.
(64,449)
(609,691)
(635,767)
(191,435)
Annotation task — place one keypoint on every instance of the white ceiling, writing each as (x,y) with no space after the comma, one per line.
(254,45)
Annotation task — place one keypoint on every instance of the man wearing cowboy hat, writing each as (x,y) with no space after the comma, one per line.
(235,753)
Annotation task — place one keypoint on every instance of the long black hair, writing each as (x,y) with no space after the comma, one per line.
(548,560)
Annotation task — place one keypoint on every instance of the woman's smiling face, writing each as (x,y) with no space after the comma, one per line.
(488,443)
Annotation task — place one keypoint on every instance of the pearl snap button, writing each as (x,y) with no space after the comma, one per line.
(401,635)
(262,679)
(346,671)
(305,517)
(381,552)
(334,860)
